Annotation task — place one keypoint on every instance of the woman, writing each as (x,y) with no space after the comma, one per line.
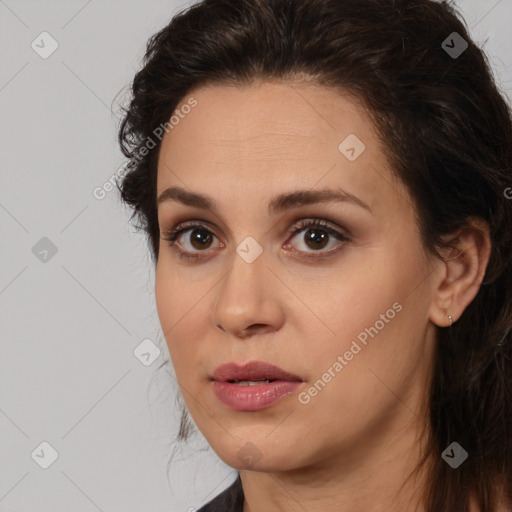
(326,189)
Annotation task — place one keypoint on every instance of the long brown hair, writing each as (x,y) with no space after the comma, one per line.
(447,132)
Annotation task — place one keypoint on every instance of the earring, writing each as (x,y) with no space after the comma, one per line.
(450,318)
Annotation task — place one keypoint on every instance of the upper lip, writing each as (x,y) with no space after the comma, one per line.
(253,370)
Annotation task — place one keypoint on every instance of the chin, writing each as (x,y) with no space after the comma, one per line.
(256,453)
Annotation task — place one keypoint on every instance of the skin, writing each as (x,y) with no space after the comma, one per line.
(352,447)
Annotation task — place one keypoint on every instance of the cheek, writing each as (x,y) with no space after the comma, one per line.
(177,297)
(337,305)
(177,310)
(368,317)
(353,385)
(166,297)
(184,312)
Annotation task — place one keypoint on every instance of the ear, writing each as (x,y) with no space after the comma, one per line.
(463,269)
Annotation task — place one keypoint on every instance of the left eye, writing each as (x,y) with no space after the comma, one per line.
(317,234)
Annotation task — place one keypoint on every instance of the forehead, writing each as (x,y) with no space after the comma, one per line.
(265,119)
(268,136)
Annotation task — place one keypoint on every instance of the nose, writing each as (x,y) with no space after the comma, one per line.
(248,299)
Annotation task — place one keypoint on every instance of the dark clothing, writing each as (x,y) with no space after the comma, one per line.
(230,500)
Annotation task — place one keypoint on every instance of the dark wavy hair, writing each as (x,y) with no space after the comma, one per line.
(446,130)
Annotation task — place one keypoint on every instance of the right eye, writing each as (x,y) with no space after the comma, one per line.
(198,241)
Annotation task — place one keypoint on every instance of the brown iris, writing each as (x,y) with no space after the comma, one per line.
(317,237)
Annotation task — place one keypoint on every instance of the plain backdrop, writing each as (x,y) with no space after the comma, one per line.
(76,281)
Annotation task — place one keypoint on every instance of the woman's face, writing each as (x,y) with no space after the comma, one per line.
(344,306)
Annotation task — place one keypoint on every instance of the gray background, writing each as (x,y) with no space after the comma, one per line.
(70,323)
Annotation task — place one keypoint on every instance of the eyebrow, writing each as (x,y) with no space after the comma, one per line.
(277,204)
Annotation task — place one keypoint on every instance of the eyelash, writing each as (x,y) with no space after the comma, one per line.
(171,235)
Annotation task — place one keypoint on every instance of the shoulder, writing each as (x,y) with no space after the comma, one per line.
(229,500)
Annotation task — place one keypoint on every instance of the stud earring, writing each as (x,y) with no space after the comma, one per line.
(450,318)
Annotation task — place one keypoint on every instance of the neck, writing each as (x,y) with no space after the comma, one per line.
(376,476)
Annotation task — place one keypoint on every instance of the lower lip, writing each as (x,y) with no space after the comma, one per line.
(253,398)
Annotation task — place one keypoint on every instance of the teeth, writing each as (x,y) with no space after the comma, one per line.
(250,382)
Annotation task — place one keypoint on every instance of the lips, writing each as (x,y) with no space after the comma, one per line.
(230,385)
(253,370)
